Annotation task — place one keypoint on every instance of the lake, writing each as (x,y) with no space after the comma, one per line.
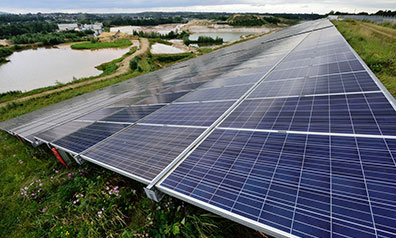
(42,67)
(159,48)
(227,36)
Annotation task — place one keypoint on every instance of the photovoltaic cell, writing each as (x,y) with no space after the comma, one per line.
(306,185)
(144,150)
(231,92)
(133,113)
(163,98)
(341,83)
(100,114)
(244,79)
(193,114)
(61,131)
(88,136)
(369,113)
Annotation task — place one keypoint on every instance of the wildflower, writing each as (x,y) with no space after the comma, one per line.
(44,210)
(40,184)
(82,195)
(67,233)
(56,171)
(69,175)
(107,188)
(52,177)
(99,214)
(26,188)
(20,162)
(76,195)
(74,202)
(159,208)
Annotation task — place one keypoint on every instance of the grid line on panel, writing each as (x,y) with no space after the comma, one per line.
(278,169)
(144,150)
(363,173)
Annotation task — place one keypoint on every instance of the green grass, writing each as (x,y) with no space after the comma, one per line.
(377,50)
(88,201)
(111,67)
(120,43)
(169,58)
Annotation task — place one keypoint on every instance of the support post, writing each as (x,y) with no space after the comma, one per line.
(57,155)
(154,194)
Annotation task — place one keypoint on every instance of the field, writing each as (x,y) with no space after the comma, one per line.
(376,45)
(100,45)
(41,198)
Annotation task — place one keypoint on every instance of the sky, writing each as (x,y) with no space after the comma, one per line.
(257,6)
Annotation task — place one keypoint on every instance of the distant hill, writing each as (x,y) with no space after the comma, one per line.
(251,20)
(3,13)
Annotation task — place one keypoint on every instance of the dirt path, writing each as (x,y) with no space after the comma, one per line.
(124,68)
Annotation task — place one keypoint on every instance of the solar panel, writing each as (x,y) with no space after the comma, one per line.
(143,151)
(244,79)
(369,113)
(211,94)
(193,114)
(133,113)
(101,113)
(306,185)
(330,84)
(310,152)
(61,131)
(86,137)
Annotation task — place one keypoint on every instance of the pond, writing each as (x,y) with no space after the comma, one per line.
(227,36)
(42,67)
(159,48)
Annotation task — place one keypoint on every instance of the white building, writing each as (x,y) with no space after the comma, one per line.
(97,28)
(68,27)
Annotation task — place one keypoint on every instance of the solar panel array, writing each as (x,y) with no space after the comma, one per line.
(289,133)
(309,153)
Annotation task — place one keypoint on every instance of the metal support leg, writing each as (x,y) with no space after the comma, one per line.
(154,194)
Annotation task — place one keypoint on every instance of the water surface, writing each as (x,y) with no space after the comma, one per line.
(227,36)
(42,67)
(159,48)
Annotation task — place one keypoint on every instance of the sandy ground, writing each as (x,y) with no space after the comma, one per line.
(124,68)
(6,43)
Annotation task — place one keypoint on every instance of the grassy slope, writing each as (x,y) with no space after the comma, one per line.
(377,50)
(89,201)
(100,45)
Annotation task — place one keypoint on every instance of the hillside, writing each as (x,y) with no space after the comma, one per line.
(251,20)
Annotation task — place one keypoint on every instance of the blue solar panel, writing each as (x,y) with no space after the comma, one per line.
(193,114)
(369,113)
(144,151)
(133,113)
(88,136)
(230,92)
(61,131)
(101,113)
(244,79)
(341,83)
(306,185)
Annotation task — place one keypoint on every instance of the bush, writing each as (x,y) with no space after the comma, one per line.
(134,63)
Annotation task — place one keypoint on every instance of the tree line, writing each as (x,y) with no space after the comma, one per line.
(14,29)
(387,13)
